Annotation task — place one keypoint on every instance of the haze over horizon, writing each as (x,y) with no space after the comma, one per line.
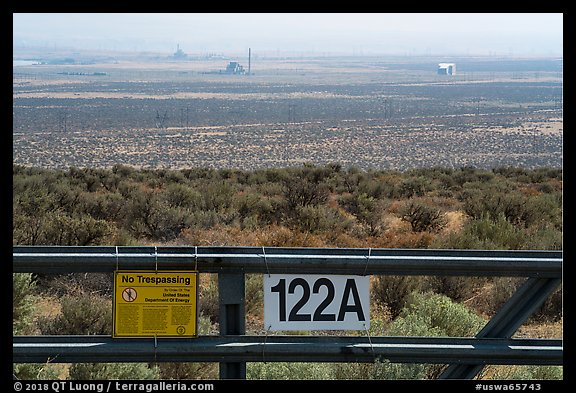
(434,34)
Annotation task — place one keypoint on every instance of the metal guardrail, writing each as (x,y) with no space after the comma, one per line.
(232,348)
(58,259)
(79,349)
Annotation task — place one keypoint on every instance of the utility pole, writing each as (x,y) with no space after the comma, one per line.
(249,59)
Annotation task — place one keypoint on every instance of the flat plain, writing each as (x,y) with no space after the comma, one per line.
(368,112)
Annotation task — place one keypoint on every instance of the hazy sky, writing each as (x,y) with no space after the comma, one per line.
(518,34)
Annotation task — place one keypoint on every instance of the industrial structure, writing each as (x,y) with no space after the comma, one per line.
(446,69)
(179,54)
(234,68)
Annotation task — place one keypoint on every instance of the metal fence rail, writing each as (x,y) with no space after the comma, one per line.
(57,259)
(232,348)
(78,349)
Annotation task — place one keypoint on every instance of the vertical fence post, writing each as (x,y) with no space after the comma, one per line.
(232,318)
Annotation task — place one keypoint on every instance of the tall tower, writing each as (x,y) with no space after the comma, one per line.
(249,59)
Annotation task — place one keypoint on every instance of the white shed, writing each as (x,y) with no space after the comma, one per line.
(446,69)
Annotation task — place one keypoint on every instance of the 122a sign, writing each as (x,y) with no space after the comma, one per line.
(316,302)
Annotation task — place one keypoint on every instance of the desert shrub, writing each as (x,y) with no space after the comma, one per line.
(455,287)
(304,189)
(183,196)
(288,371)
(203,219)
(113,371)
(86,314)
(414,187)
(470,174)
(100,284)
(501,290)
(255,206)
(217,196)
(314,219)
(350,179)
(422,217)
(486,233)
(437,313)
(544,238)
(393,291)
(376,187)
(552,308)
(254,294)
(368,210)
(193,370)
(108,206)
(22,302)
(542,210)
(504,287)
(209,299)
(302,192)
(148,215)
(62,229)
(519,209)
(427,314)
(35,371)
(516,372)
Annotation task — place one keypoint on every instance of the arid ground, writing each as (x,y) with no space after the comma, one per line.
(366,112)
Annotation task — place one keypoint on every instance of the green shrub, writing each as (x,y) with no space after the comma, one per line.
(504,287)
(427,314)
(486,233)
(111,371)
(515,372)
(368,210)
(437,313)
(22,302)
(314,219)
(288,371)
(209,299)
(393,291)
(254,294)
(456,288)
(304,190)
(422,217)
(217,196)
(183,196)
(414,187)
(35,371)
(86,315)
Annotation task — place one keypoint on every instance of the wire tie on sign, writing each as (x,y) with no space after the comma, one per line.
(367,260)
(155,347)
(264,346)
(156,259)
(370,341)
(266,261)
(116,257)
(195,258)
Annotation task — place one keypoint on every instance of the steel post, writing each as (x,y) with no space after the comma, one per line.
(231,288)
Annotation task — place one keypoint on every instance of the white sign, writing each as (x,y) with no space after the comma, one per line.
(316,302)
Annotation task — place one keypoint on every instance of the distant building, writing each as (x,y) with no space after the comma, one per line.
(446,69)
(179,54)
(234,68)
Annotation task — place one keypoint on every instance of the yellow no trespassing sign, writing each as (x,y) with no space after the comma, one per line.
(155,303)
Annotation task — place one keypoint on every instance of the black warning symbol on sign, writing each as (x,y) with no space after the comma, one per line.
(129,294)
